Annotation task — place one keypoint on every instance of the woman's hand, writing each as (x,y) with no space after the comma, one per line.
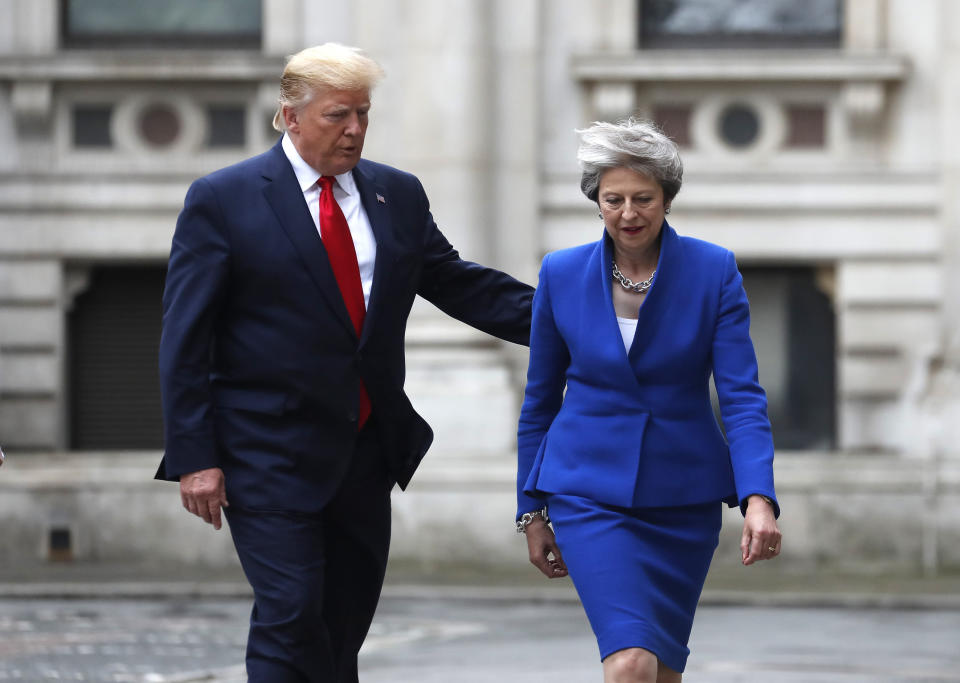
(544,553)
(761,535)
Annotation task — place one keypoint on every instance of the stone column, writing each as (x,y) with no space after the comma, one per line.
(35,26)
(950,173)
(284,26)
(944,392)
(433,114)
(458,109)
(517,130)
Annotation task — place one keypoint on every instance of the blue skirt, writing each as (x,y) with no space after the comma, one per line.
(639,571)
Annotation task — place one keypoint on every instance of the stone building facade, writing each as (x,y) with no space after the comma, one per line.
(822,149)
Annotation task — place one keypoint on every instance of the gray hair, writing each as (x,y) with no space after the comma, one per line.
(631,143)
(330,66)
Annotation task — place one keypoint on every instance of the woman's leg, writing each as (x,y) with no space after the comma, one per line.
(637,665)
(667,675)
(631,665)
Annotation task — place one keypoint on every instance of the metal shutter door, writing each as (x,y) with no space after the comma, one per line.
(114,332)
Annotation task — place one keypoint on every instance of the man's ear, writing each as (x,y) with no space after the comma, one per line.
(291,119)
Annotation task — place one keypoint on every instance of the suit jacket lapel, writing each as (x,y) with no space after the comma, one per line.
(609,326)
(658,297)
(606,286)
(375,202)
(656,301)
(283,194)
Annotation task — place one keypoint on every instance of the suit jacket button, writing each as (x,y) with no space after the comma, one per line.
(352,416)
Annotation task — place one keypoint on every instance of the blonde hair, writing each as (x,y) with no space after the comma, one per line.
(330,66)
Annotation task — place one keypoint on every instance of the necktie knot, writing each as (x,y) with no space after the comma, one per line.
(326,182)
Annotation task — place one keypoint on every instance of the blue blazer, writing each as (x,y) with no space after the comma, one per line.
(260,366)
(637,429)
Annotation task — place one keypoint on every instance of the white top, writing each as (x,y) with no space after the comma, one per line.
(348,197)
(628,328)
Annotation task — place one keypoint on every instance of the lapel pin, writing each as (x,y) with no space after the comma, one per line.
(381,199)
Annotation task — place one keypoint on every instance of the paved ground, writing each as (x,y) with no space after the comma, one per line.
(429,640)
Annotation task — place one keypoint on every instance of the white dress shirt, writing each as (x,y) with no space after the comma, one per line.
(348,197)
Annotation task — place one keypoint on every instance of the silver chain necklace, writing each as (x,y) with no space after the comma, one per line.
(630,285)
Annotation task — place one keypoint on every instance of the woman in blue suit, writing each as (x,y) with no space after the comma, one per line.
(617,436)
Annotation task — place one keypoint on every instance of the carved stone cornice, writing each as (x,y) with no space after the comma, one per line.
(613,78)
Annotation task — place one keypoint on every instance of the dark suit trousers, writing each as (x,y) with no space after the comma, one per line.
(317,577)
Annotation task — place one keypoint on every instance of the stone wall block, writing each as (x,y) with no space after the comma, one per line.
(28,422)
(29,280)
(890,282)
(869,532)
(29,326)
(29,373)
(878,328)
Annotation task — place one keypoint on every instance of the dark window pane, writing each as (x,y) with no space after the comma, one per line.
(739,125)
(806,126)
(794,331)
(226,126)
(674,120)
(60,545)
(740,23)
(114,332)
(204,23)
(159,125)
(91,125)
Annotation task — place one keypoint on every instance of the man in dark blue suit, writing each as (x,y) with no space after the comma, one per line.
(291,277)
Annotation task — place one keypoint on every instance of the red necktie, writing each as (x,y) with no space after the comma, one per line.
(343,259)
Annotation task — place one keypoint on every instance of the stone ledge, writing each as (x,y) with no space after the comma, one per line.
(58,192)
(79,470)
(142,65)
(866,473)
(767,587)
(857,513)
(726,65)
(801,472)
(788,191)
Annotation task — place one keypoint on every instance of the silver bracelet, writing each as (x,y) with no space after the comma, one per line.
(528,517)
